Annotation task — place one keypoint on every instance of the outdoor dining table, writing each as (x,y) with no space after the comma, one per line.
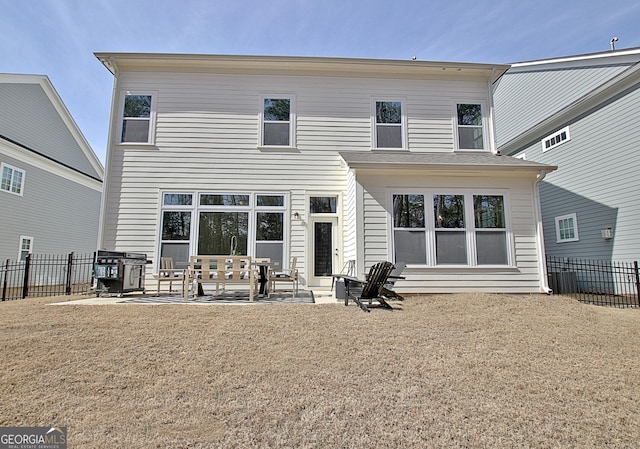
(264,267)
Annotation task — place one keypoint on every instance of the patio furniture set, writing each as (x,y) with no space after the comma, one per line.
(255,273)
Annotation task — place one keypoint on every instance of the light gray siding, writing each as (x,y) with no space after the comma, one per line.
(524,97)
(28,117)
(61,215)
(597,179)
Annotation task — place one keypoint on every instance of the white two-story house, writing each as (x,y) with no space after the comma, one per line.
(323,159)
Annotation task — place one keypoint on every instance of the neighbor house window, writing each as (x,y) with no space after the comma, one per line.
(176,227)
(464,229)
(556,139)
(26,247)
(137,117)
(12,179)
(470,126)
(277,122)
(389,120)
(567,228)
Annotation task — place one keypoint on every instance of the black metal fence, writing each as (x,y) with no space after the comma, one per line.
(47,275)
(600,282)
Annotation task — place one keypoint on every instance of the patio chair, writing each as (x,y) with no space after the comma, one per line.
(287,275)
(371,288)
(168,273)
(387,288)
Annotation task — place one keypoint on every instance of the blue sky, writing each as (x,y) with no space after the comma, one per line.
(57,38)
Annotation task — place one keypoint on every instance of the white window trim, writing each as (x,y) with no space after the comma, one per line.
(485,123)
(469,229)
(14,170)
(575,228)
(403,123)
(292,122)
(22,239)
(556,134)
(152,117)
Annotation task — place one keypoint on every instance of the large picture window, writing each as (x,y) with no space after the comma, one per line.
(137,116)
(465,229)
(227,223)
(389,132)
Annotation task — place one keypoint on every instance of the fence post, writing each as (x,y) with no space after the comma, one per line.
(69,271)
(25,283)
(635,269)
(4,281)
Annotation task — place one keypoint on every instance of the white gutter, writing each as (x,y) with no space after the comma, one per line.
(544,283)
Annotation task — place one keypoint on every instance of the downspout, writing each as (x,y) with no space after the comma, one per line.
(107,163)
(544,283)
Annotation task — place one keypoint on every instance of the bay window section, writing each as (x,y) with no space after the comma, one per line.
(450,231)
(465,229)
(491,232)
(409,230)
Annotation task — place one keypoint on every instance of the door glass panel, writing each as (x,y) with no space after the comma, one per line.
(323,249)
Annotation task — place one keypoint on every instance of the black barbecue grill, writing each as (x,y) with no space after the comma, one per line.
(120,272)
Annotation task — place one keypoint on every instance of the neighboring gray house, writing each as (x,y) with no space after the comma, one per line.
(51,184)
(323,159)
(582,114)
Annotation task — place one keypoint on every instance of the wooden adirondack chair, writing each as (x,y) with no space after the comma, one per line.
(370,289)
(387,288)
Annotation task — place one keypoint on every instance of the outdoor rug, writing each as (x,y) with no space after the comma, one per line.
(225,297)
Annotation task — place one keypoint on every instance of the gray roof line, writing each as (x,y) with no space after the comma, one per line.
(459,161)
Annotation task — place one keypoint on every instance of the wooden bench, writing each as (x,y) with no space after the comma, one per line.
(220,270)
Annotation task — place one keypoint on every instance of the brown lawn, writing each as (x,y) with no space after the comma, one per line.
(445,371)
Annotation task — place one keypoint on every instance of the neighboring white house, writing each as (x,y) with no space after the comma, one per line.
(51,183)
(324,159)
(582,114)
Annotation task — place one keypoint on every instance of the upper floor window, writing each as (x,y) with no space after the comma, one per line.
(567,228)
(137,118)
(469,122)
(12,179)
(556,139)
(389,124)
(277,122)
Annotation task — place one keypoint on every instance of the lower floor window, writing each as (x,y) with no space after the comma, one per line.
(440,229)
(567,228)
(26,247)
(220,224)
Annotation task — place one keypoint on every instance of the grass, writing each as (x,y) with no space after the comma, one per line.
(442,371)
